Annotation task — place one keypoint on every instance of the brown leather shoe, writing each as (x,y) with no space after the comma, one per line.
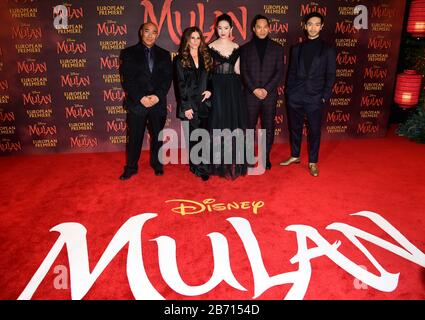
(289,161)
(314,170)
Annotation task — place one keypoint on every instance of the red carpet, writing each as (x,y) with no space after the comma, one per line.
(384,176)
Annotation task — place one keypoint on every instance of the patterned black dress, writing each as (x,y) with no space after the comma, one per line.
(228,112)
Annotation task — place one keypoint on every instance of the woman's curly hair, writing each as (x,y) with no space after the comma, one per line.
(184,49)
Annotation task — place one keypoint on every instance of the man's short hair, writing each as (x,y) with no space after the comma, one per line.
(144,24)
(259,17)
(313,15)
(141,29)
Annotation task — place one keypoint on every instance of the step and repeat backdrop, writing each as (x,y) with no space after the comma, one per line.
(60,89)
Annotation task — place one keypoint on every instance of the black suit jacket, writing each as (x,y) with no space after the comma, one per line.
(138,81)
(267,75)
(317,84)
(191,83)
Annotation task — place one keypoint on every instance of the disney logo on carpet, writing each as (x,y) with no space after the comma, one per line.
(209,205)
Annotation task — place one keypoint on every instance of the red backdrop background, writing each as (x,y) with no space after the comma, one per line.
(60,89)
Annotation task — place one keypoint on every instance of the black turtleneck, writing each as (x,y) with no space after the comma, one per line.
(261,45)
(310,48)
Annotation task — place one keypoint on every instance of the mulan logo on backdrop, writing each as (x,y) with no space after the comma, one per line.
(111,28)
(338,116)
(113,95)
(111,62)
(71,47)
(312,7)
(36,98)
(277,27)
(368,128)
(25,32)
(41,129)
(372,100)
(379,43)
(72,236)
(78,111)
(174,18)
(345,58)
(375,72)
(345,28)
(83,141)
(74,80)
(117,125)
(341,87)
(31,66)
(7,145)
(383,11)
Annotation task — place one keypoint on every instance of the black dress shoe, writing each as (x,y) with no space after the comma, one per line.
(127,175)
(268,165)
(205,177)
(159,172)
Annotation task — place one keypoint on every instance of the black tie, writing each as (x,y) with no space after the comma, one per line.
(149,58)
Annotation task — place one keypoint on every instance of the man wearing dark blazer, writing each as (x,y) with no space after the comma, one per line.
(146,72)
(311,77)
(262,72)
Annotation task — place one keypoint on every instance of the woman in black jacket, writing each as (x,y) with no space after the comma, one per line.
(192,76)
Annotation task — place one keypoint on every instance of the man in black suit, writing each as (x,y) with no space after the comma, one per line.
(146,71)
(262,72)
(310,79)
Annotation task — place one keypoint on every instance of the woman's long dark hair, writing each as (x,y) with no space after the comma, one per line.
(222,17)
(184,49)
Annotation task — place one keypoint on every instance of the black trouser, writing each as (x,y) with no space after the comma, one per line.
(203,167)
(136,127)
(267,113)
(296,114)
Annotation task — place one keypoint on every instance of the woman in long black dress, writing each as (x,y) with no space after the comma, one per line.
(228,110)
(192,71)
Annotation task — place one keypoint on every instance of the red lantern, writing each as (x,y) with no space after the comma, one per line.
(416,22)
(408,89)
